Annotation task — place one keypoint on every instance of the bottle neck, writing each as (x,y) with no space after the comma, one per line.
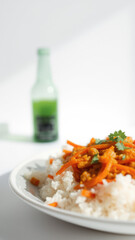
(44,70)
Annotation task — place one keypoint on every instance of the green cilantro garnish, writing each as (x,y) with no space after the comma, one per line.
(95,159)
(123,157)
(120,146)
(117,136)
(99,141)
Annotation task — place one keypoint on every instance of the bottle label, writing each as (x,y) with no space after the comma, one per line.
(45,120)
(46,128)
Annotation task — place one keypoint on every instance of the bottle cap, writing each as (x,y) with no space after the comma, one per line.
(43,51)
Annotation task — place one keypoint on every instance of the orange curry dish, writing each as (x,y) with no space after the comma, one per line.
(100,159)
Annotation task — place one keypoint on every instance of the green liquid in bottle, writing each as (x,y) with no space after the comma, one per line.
(44,101)
(45,120)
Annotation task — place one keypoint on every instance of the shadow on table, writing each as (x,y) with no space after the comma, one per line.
(6,134)
(20,221)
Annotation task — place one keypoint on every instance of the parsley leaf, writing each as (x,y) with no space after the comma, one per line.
(117,136)
(120,146)
(123,157)
(99,141)
(95,159)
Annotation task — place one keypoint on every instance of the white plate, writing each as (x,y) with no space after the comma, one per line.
(28,193)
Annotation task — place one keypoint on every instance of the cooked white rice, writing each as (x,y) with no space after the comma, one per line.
(114,200)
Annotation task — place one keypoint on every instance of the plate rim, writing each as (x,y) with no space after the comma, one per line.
(41,207)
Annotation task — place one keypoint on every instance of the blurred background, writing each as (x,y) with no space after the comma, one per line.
(92,46)
(92,59)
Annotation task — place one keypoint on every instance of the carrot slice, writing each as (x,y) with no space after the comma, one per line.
(101,182)
(50,176)
(34,181)
(51,160)
(54,204)
(88,194)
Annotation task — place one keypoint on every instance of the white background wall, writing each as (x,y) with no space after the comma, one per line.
(92,62)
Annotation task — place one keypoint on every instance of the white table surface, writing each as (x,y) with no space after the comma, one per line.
(18,221)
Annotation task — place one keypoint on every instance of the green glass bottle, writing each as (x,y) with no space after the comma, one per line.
(44,101)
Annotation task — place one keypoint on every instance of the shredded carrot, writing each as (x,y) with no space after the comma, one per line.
(76,173)
(34,181)
(130,145)
(73,144)
(51,160)
(101,182)
(66,165)
(54,204)
(102,174)
(126,169)
(111,180)
(97,161)
(73,161)
(50,176)
(126,161)
(102,146)
(66,155)
(99,146)
(81,152)
(77,187)
(108,180)
(92,141)
(66,151)
(88,194)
